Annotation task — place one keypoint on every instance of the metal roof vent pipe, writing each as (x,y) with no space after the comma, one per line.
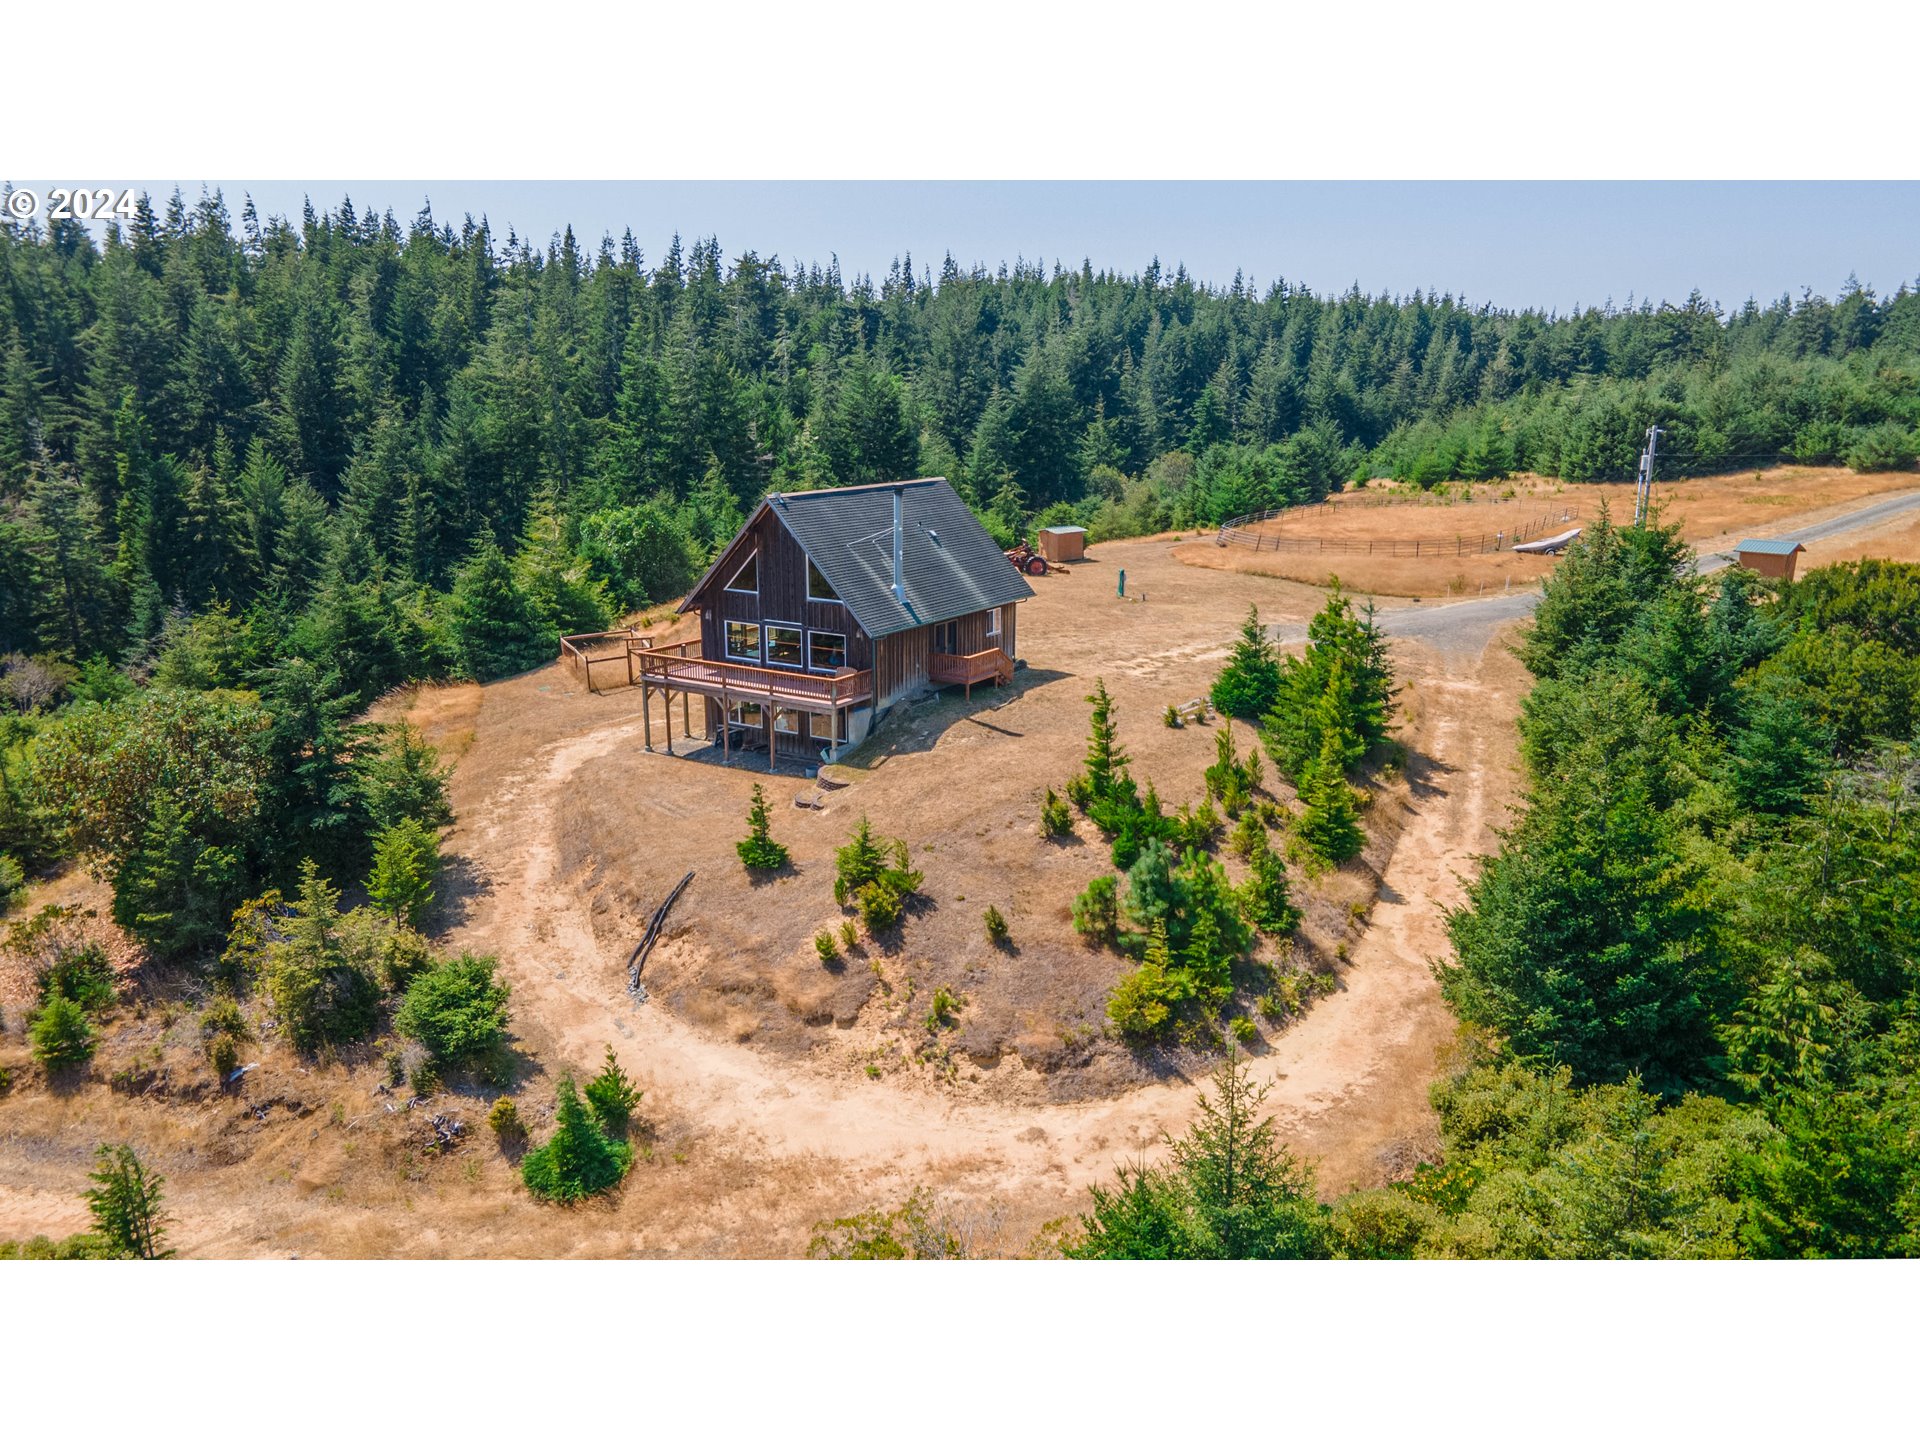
(898,593)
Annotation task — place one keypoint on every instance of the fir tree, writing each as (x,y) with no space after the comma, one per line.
(581,1159)
(125,1199)
(1250,683)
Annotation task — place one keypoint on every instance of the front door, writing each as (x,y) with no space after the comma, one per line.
(946,638)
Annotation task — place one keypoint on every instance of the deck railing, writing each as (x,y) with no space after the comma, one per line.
(683,667)
(580,653)
(969,670)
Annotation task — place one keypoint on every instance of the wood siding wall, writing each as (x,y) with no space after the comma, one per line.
(781,600)
(900,661)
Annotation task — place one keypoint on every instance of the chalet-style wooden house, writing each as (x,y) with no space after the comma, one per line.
(832,606)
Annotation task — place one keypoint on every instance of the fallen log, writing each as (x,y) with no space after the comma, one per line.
(640,952)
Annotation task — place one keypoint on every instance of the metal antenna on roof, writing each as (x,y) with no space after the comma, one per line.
(898,593)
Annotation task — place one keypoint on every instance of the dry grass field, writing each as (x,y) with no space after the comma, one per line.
(1711,511)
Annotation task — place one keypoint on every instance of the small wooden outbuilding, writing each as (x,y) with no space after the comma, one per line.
(1061,543)
(1772,558)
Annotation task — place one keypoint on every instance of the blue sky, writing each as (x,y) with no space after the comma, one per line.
(1548,244)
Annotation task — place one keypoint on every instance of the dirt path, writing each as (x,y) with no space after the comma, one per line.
(1349,1078)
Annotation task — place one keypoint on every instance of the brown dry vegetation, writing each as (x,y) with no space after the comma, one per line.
(1712,511)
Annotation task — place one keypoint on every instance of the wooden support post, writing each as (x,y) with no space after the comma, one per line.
(629,660)
(771,742)
(666,713)
(686,715)
(726,725)
(646,712)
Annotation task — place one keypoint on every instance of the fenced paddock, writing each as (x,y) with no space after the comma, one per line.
(1262,532)
(581,653)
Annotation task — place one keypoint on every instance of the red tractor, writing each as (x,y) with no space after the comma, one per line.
(1027,559)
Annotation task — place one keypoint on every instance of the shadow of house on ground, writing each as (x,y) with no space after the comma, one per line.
(910,729)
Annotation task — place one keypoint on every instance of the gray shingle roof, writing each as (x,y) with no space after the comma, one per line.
(949,564)
(1768,547)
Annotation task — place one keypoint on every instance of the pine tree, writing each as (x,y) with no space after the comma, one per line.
(495,628)
(759,851)
(1250,682)
(1329,823)
(406,866)
(613,1096)
(581,1159)
(1106,767)
(125,1199)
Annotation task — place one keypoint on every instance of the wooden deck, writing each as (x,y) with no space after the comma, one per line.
(682,667)
(978,668)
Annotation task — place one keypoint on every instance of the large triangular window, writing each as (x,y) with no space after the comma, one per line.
(817,586)
(747,578)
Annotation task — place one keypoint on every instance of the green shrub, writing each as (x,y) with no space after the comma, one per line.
(1198,829)
(1056,818)
(13,880)
(321,989)
(505,1122)
(61,1037)
(864,878)
(1265,897)
(425,1076)
(1096,911)
(1380,1225)
(223,1056)
(406,865)
(825,947)
(222,1028)
(940,1013)
(858,863)
(612,1096)
(1142,1005)
(1886,446)
(849,935)
(1243,1029)
(759,851)
(83,976)
(457,1009)
(84,1246)
(396,1068)
(1171,719)
(880,908)
(996,926)
(580,1160)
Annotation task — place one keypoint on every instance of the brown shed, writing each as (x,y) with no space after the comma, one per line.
(1061,543)
(1772,558)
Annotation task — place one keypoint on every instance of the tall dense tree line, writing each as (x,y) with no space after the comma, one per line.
(343,410)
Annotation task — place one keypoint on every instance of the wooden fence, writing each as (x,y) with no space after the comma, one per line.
(1239,531)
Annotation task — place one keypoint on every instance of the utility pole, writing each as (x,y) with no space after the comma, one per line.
(1643,490)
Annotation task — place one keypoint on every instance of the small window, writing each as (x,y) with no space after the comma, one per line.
(817,586)
(786,722)
(826,650)
(783,645)
(993,623)
(746,580)
(743,641)
(745,712)
(823,727)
